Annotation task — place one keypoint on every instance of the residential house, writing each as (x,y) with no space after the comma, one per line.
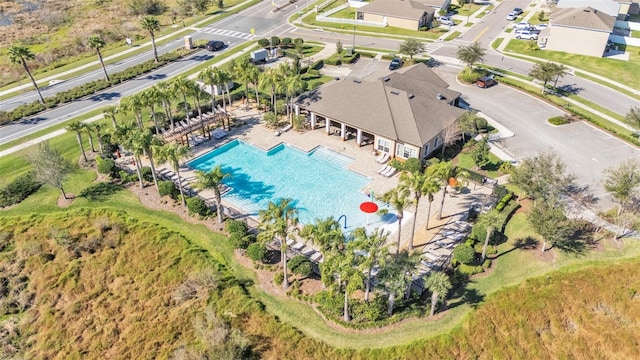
(620,9)
(405,14)
(404,113)
(583,31)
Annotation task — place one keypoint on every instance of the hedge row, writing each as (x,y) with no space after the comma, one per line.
(19,190)
(89,88)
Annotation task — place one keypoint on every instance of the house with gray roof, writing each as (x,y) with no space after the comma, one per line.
(406,14)
(583,31)
(403,114)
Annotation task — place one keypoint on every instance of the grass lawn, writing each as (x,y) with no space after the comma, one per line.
(466,161)
(347,13)
(466,10)
(452,36)
(635,34)
(627,72)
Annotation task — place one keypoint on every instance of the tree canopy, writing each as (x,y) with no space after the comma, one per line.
(411,47)
(469,55)
(50,166)
(542,176)
(633,117)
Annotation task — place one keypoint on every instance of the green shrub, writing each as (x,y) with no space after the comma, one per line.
(167,187)
(313,72)
(241,240)
(506,167)
(504,201)
(196,205)
(286,42)
(412,165)
(19,189)
(465,254)
(263,42)
(469,269)
(236,227)
(278,278)
(301,265)
(318,65)
(470,76)
(146,173)
(558,120)
(368,311)
(329,303)
(481,124)
(107,166)
(256,251)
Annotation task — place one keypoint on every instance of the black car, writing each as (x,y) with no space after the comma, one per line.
(486,81)
(517,11)
(395,64)
(214,45)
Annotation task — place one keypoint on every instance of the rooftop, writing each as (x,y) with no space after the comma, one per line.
(583,18)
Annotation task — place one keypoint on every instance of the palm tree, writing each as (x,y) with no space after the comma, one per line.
(279,220)
(430,187)
(98,127)
(208,77)
(151,98)
(253,75)
(19,54)
(110,112)
(413,182)
(174,153)
(490,220)
(294,84)
(447,174)
(240,70)
(270,79)
(326,233)
(143,142)
(398,199)
(89,128)
(134,104)
(78,126)
(122,135)
(152,25)
(96,42)
(342,269)
(374,253)
(196,92)
(182,85)
(439,285)
(166,93)
(397,277)
(213,180)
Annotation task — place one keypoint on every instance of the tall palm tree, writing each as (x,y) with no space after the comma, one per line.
(240,71)
(96,42)
(151,98)
(294,85)
(326,233)
(122,135)
(109,112)
(270,79)
(398,199)
(397,276)
(78,127)
(195,91)
(413,182)
(19,54)
(166,93)
(98,127)
(279,219)
(152,25)
(253,75)
(174,153)
(134,104)
(430,187)
(342,269)
(143,142)
(439,285)
(182,85)
(490,220)
(89,129)
(447,174)
(375,251)
(208,77)
(213,180)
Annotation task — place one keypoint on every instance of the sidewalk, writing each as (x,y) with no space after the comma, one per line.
(116,55)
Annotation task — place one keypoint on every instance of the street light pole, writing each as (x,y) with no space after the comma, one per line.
(354,39)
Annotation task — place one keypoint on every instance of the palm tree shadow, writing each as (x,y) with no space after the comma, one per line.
(526,243)
(467,295)
(101,191)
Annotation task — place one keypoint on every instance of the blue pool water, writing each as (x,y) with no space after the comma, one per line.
(317,181)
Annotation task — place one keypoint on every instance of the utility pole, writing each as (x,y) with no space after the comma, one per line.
(354,39)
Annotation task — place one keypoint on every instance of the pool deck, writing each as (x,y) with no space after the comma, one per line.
(254,132)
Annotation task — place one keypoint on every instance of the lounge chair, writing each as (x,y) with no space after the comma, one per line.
(286,128)
(383,169)
(382,158)
(390,172)
(219,133)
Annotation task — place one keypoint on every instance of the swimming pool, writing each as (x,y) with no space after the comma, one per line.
(318,181)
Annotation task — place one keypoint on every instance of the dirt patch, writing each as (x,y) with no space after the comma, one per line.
(66,202)
(525,205)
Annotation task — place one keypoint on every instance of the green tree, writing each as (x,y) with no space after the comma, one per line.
(342,269)
(542,176)
(480,153)
(89,129)
(399,199)
(396,277)
(439,285)
(109,112)
(411,47)
(166,93)
(182,85)
(220,4)
(253,75)
(374,251)
(414,182)
(151,97)
(430,187)
(546,72)
(209,77)
(549,221)
(122,135)
(142,142)
(151,24)
(447,174)
(50,166)
(78,127)
(174,153)
(294,85)
(633,117)
(326,233)
(241,71)
(491,220)
(464,253)
(469,55)
(270,79)
(278,221)
(467,124)
(201,6)
(95,42)
(541,16)
(213,180)
(622,183)
(339,49)
(19,54)
(134,104)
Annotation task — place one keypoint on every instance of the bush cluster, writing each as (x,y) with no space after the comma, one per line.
(504,201)
(301,265)
(240,236)
(558,120)
(89,88)
(19,190)
(257,252)
(167,187)
(196,205)
(107,166)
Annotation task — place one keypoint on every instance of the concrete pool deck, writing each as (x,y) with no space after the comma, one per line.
(253,131)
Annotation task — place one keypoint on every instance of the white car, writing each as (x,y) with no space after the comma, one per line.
(540,26)
(512,16)
(526,35)
(521,25)
(445,20)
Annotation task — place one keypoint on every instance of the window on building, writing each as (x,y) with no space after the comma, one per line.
(384,145)
(406,151)
(360,15)
(426,150)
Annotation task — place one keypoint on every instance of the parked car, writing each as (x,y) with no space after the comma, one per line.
(540,26)
(396,63)
(517,11)
(214,45)
(512,16)
(523,25)
(445,20)
(526,35)
(486,81)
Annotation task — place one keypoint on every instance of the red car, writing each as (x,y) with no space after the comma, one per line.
(486,81)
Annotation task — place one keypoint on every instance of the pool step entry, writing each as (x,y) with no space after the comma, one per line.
(331,157)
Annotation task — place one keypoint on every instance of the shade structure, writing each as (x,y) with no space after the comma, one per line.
(368,207)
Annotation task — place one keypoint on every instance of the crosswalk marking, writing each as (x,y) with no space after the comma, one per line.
(225,32)
(433,46)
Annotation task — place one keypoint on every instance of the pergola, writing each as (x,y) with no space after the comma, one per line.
(181,132)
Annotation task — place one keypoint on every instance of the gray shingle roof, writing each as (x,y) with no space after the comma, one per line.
(583,18)
(400,106)
(406,9)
